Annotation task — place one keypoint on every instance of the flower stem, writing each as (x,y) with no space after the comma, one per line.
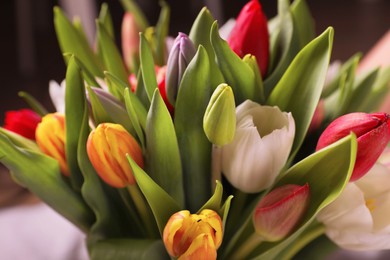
(247,247)
(142,209)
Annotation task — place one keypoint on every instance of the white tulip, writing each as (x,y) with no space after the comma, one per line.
(57,95)
(359,218)
(260,148)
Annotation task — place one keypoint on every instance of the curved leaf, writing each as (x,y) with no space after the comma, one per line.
(162,30)
(147,67)
(164,165)
(304,22)
(41,175)
(195,149)
(299,90)
(33,103)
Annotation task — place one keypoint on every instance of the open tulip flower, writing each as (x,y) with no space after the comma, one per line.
(359,218)
(260,148)
(23,122)
(50,137)
(372,132)
(250,34)
(193,236)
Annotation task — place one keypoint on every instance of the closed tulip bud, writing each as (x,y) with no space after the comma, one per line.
(278,213)
(193,236)
(50,137)
(219,121)
(130,39)
(372,132)
(181,54)
(250,35)
(23,122)
(260,147)
(107,147)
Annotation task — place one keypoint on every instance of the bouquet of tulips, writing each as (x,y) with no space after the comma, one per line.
(233,142)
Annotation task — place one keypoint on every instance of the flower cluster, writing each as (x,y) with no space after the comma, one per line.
(207,148)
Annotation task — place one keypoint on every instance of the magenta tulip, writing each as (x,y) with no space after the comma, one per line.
(372,132)
(250,35)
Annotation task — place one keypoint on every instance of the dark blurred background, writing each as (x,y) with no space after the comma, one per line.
(30,55)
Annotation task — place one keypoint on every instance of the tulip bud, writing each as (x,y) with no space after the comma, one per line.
(107,147)
(193,236)
(130,39)
(260,147)
(372,132)
(23,122)
(181,54)
(50,137)
(219,121)
(250,35)
(278,213)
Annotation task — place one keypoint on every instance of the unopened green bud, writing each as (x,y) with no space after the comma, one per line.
(219,121)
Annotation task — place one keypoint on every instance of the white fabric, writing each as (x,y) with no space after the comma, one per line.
(36,232)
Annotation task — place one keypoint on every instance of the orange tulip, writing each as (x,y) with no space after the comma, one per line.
(107,147)
(193,236)
(50,137)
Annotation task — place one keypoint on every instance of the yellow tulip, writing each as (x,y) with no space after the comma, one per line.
(193,236)
(107,147)
(50,137)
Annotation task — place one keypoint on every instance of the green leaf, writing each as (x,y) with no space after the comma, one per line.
(304,22)
(162,204)
(162,30)
(163,155)
(74,108)
(362,89)
(215,202)
(251,61)
(106,20)
(33,103)
(195,149)
(70,41)
(41,175)
(132,7)
(125,249)
(111,56)
(19,140)
(87,75)
(325,181)
(147,67)
(238,75)
(99,114)
(299,90)
(284,45)
(134,118)
(200,35)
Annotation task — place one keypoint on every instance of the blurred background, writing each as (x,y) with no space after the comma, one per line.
(30,55)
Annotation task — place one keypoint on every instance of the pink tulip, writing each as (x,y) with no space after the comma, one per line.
(373,134)
(279,212)
(130,39)
(250,34)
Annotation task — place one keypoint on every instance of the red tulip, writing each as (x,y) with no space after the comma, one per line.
(23,122)
(250,34)
(373,134)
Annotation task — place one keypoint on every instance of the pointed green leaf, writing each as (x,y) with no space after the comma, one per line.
(33,103)
(238,75)
(70,41)
(251,61)
(299,90)
(41,175)
(284,45)
(164,165)
(199,36)
(195,149)
(215,201)
(125,249)
(87,75)
(162,204)
(74,108)
(304,22)
(111,56)
(135,121)
(106,20)
(20,141)
(147,67)
(162,30)
(132,7)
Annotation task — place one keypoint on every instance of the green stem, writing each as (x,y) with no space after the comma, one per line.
(140,203)
(247,247)
(312,233)
(130,208)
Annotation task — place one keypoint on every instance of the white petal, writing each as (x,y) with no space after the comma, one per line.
(226,28)
(57,95)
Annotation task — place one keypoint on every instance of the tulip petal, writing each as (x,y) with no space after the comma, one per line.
(202,247)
